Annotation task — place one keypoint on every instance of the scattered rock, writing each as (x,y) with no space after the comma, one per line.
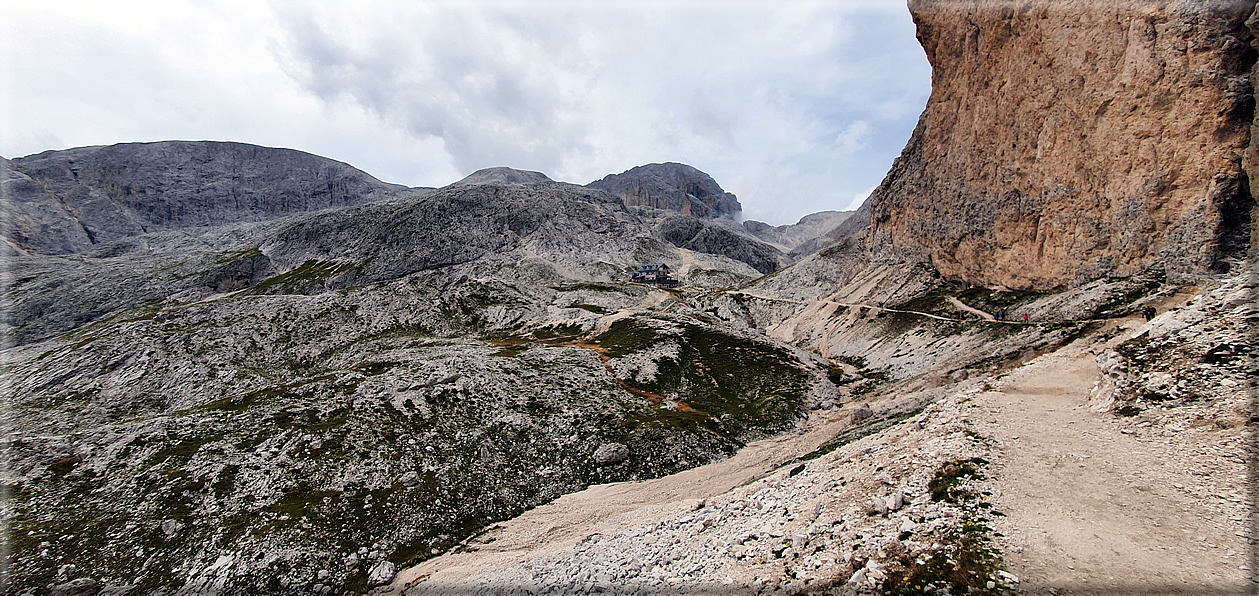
(611,453)
(861,411)
(84,586)
(171,527)
(382,573)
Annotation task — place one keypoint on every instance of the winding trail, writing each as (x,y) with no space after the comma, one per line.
(875,307)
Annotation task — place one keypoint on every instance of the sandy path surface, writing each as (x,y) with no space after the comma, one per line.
(605,508)
(1094,505)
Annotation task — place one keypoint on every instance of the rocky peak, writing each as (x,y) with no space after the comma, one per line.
(65,201)
(1068,141)
(503,175)
(672,186)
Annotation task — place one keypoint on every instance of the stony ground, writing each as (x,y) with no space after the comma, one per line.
(1040,485)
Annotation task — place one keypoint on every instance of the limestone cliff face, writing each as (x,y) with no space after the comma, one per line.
(1065,140)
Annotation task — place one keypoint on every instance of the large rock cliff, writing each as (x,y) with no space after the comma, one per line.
(1068,140)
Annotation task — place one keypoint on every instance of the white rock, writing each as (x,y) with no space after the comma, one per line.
(381,574)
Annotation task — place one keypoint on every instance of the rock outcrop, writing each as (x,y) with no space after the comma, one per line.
(66,201)
(672,186)
(1065,141)
(502,175)
(700,235)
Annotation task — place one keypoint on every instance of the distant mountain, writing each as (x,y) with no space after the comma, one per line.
(672,186)
(66,201)
(789,237)
(501,175)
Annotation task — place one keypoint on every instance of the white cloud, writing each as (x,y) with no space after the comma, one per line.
(859,198)
(853,138)
(793,106)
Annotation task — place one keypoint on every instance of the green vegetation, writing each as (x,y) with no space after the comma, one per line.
(949,486)
(1121,302)
(857,432)
(595,286)
(309,277)
(740,384)
(237,256)
(594,308)
(967,558)
(993,301)
(935,302)
(1129,411)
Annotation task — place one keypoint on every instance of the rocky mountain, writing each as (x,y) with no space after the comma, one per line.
(502,175)
(673,187)
(1117,146)
(68,201)
(329,392)
(250,379)
(808,231)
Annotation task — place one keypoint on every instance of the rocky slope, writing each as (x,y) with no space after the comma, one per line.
(671,186)
(68,201)
(305,402)
(1004,483)
(1057,130)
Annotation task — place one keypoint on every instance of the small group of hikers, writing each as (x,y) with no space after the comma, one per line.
(1147,312)
(1000,316)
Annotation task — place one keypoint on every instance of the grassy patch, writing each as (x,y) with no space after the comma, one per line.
(593,286)
(743,384)
(1129,411)
(993,301)
(949,483)
(967,559)
(857,432)
(309,277)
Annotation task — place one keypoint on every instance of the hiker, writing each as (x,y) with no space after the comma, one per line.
(1024,318)
(1148,311)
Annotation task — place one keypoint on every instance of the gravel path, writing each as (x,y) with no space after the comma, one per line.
(1097,505)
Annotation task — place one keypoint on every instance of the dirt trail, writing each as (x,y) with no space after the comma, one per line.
(1094,506)
(968,308)
(559,525)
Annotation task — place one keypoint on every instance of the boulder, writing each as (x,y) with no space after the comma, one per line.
(84,586)
(611,453)
(382,573)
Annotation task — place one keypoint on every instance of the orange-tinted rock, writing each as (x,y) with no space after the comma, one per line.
(1066,140)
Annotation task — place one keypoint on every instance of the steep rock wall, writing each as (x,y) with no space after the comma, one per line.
(1065,140)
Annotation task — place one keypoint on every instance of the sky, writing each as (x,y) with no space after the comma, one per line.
(794,106)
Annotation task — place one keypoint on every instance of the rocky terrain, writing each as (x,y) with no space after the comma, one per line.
(233,369)
(672,186)
(1029,478)
(1059,129)
(70,201)
(788,238)
(298,403)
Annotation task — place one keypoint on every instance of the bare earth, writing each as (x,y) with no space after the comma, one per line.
(1098,506)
